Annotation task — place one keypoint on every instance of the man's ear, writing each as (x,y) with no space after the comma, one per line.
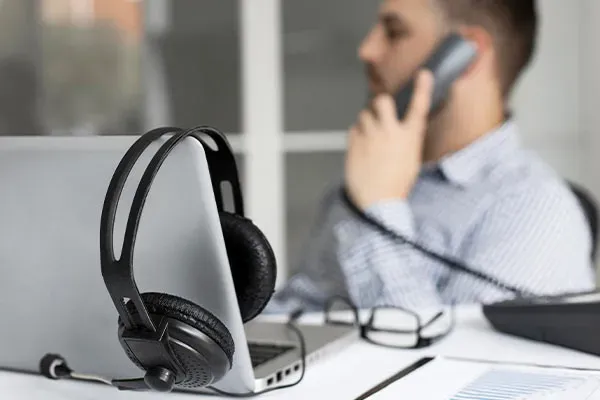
(484,43)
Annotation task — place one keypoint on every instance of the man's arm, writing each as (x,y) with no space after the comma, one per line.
(382,162)
(318,276)
(535,239)
(380,270)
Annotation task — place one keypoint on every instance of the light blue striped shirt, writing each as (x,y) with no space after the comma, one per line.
(493,205)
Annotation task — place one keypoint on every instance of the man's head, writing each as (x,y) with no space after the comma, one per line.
(408,31)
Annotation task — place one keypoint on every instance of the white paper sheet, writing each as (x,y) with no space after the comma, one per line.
(453,379)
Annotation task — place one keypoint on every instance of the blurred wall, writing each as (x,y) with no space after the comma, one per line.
(125,15)
(194,46)
(547,101)
(590,91)
(20,87)
(589,74)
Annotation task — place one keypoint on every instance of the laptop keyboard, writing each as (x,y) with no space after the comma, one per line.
(261,353)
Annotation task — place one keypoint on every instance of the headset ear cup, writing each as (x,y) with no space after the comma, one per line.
(202,360)
(252,262)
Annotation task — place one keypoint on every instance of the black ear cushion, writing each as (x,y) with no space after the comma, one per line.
(187,312)
(252,262)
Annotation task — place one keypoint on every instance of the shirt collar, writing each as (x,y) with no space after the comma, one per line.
(471,163)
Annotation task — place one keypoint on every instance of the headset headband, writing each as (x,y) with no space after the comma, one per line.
(118,274)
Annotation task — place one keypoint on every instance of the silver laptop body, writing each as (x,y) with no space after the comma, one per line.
(52,295)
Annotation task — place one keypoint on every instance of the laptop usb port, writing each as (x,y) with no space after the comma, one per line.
(279,376)
(269,381)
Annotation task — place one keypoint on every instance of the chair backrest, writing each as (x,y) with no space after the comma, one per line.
(590,209)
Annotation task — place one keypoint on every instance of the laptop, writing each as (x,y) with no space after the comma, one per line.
(52,295)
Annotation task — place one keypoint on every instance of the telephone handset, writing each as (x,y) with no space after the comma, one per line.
(448,62)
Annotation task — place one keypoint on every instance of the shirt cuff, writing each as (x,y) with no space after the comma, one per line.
(395,215)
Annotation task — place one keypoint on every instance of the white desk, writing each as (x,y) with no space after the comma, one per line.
(344,376)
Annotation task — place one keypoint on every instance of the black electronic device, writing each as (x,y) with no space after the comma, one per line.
(451,58)
(567,320)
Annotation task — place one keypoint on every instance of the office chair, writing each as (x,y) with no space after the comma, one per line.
(590,209)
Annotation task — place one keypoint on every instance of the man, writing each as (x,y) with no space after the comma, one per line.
(457,182)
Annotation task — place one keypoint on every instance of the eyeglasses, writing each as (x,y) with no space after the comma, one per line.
(392,327)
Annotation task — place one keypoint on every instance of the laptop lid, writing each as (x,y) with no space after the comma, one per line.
(52,295)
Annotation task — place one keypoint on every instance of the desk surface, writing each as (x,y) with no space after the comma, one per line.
(345,375)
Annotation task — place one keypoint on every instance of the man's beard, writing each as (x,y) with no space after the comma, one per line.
(375,86)
(376,82)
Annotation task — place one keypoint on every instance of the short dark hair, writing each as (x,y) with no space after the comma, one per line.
(513,25)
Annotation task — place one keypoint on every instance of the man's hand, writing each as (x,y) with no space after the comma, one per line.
(385,154)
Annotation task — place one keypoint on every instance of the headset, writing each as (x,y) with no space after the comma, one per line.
(179,344)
